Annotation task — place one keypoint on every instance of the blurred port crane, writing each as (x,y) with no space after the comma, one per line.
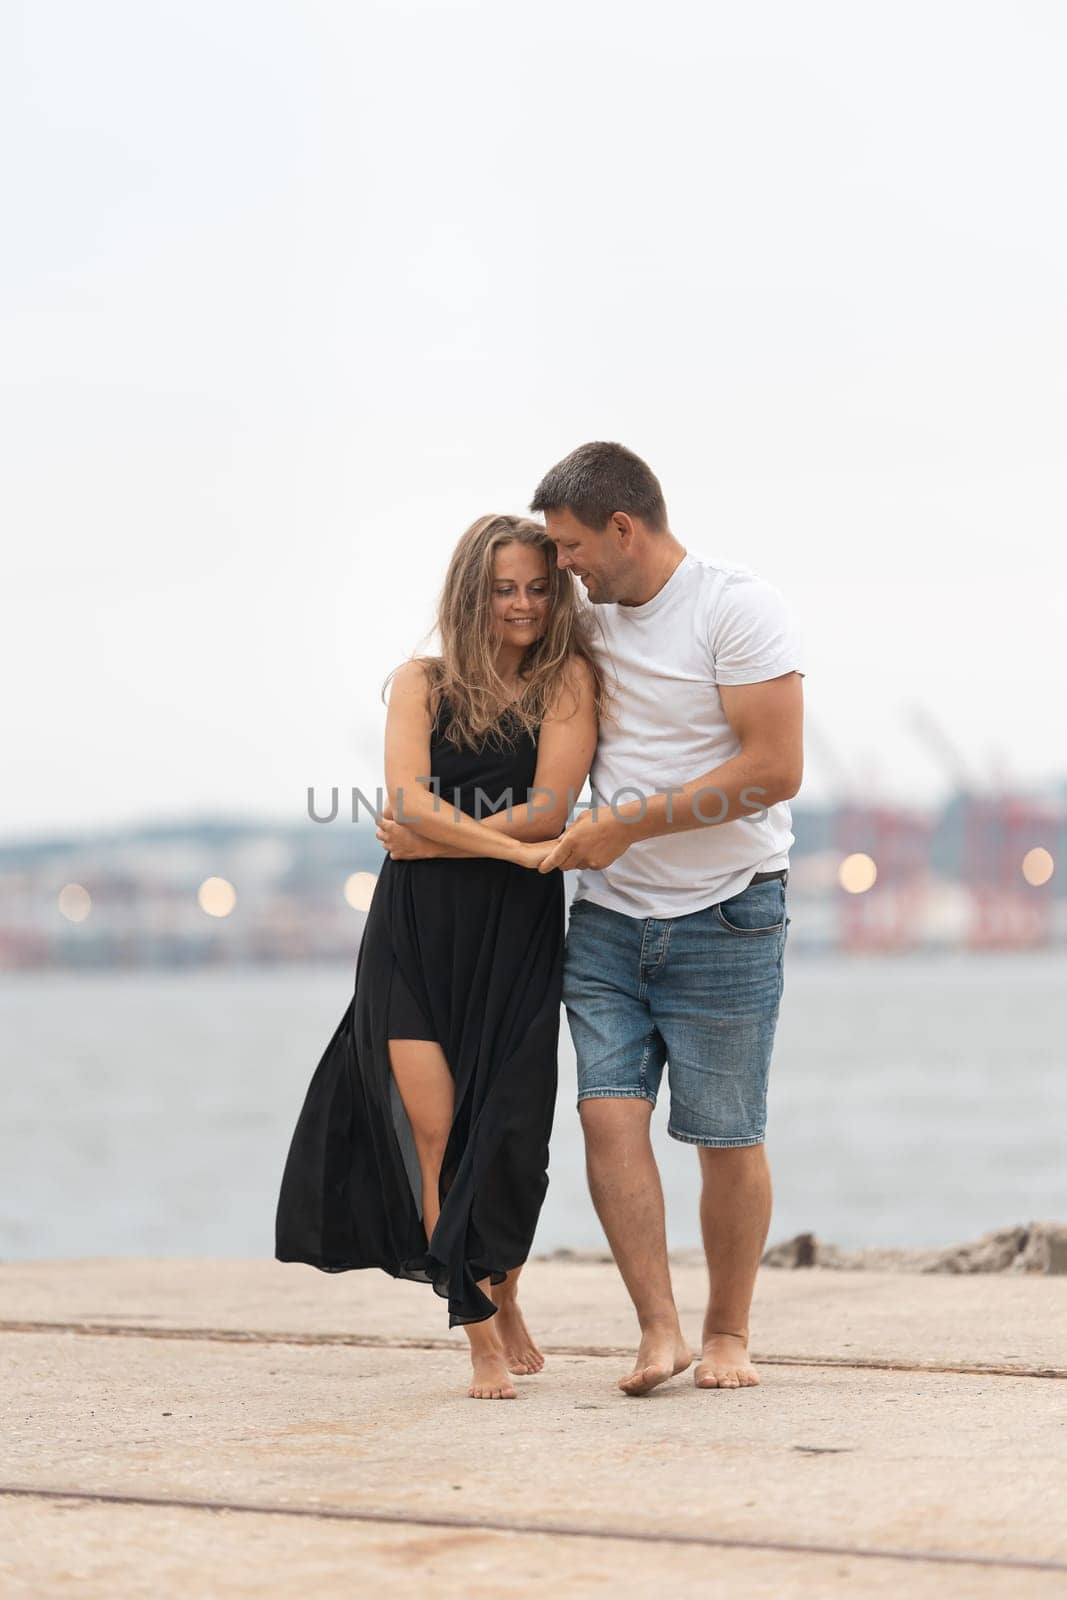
(1007,845)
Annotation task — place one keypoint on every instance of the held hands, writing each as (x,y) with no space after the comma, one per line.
(590,841)
(533,854)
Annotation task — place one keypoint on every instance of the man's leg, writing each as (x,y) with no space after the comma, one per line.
(625,1185)
(620,1060)
(735,1214)
(715,1002)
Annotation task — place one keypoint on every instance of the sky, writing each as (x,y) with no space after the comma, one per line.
(294,290)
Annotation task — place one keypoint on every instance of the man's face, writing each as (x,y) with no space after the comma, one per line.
(592,555)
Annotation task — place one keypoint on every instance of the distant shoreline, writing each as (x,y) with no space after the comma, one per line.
(1031,1248)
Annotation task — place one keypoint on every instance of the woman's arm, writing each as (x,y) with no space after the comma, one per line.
(566,746)
(407,759)
(565,750)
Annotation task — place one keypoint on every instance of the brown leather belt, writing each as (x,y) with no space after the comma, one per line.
(765,877)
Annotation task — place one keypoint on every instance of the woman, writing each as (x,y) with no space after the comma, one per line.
(422,1145)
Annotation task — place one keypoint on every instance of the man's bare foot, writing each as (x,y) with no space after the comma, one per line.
(663,1353)
(724,1363)
(489,1378)
(520,1351)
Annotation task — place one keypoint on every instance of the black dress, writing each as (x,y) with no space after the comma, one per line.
(478,948)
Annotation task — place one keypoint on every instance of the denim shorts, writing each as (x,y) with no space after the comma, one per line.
(698,994)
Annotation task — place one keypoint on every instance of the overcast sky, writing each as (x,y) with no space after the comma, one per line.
(292,291)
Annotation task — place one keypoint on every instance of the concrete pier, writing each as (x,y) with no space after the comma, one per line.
(247,1428)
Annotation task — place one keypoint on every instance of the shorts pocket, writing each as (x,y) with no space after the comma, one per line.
(754,911)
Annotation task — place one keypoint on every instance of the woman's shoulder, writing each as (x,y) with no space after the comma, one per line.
(575,687)
(415,688)
(579,671)
(418,675)
(416,670)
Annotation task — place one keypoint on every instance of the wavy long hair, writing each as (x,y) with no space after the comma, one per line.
(465,672)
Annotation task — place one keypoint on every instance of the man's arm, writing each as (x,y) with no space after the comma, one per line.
(768,719)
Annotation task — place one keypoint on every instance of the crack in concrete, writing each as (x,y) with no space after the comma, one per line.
(557,1530)
(370,1341)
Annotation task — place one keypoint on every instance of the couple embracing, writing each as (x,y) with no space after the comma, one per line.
(590,646)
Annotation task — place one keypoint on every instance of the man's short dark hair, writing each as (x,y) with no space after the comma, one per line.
(596,480)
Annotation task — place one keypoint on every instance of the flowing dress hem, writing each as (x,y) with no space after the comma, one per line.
(412,1274)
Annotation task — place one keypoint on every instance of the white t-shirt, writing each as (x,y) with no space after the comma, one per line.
(711,623)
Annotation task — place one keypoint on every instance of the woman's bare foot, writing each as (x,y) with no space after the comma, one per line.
(724,1363)
(489,1377)
(663,1353)
(520,1351)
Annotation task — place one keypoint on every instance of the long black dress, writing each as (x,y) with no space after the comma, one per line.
(479,945)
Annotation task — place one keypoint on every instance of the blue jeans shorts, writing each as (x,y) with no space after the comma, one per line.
(698,994)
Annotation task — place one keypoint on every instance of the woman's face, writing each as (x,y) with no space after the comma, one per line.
(520,594)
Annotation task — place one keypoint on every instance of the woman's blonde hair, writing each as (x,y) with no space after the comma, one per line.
(465,672)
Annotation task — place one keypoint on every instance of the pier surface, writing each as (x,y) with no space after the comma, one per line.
(248,1428)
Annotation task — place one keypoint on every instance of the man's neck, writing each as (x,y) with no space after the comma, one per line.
(666,565)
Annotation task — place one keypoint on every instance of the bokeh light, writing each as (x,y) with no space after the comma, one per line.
(1038,866)
(359,889)
(857,873)
(74,902)
(216,896)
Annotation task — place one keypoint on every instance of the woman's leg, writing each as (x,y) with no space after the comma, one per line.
(427,1091)
(520,1351)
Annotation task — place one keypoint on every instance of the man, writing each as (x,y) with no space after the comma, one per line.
(678,926)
